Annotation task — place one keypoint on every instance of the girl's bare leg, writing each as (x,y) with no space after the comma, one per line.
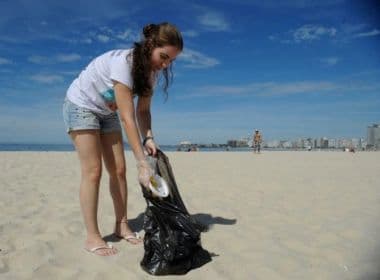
(87,144)
(113,156)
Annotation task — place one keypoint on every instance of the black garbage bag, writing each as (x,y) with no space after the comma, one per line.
(172,241)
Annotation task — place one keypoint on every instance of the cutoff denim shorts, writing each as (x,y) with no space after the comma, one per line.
(79,118)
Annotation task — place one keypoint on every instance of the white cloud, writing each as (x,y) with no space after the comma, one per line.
(37,59)
(106,35)
(68,57)
(214,21)
(128,35)
(281,89)
(190,33)
(296,88)
(46,79)
(275,4)
(307,33)
(352,28)
(70,73)
(103,38)
(311,32)
(39,115)
(330,61)
(106,29)
(86,40)
(194,59)
(374,32)
(43,60)
(4,61)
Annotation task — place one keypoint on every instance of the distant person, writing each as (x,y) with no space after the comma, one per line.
(194,148)
(109,83)
(257,139)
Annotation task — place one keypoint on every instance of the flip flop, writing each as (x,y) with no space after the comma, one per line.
(94,249)
(129,237)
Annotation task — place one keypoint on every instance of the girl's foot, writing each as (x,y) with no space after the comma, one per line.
(122,230)
(99,247)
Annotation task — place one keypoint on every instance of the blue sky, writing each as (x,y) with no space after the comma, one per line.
(292,69)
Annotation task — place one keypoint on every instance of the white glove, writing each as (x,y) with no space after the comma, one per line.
(145,171)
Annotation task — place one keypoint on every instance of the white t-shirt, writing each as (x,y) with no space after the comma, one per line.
(96,80)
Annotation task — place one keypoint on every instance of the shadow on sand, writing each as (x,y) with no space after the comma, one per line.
(204,222)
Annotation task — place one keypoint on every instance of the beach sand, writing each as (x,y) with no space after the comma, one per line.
(277,215)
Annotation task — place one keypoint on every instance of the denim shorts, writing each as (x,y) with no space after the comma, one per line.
(79,118)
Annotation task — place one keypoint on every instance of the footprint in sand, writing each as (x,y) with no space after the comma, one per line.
(4,267)
(74,228)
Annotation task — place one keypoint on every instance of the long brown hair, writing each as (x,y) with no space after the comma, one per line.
(155,35)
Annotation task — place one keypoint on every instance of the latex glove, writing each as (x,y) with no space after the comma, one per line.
(151,147)
(145,171)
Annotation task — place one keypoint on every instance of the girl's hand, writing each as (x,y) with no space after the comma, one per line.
(151,147)
(112,106)
(145,171)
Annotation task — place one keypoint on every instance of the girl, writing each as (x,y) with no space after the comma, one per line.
(109,83)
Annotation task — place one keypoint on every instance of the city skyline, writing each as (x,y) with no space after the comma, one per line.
(291,69)
(365,138)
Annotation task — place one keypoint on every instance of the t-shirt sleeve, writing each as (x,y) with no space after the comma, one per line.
(121,70)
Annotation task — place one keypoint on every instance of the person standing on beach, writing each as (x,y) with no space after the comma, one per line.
(109,83)
(257,139)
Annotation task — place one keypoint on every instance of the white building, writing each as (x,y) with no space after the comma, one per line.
(273,144)
(333,143)
(373,136)
(355,143)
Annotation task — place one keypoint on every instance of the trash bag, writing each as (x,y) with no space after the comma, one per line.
(172,241)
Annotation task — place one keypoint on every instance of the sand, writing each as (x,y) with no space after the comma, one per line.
(277,215)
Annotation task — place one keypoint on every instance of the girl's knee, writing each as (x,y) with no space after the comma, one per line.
(93,173)
(119,172)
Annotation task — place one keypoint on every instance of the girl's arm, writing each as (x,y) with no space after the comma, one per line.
(124,101)
(145,123)
(144,117)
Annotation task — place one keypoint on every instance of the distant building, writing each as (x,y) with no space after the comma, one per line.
(355,143)
(362,143)
(373,136)
(184,146)
(237,143)
(333,144)
(272,144)
(299,143)
(285,144)
(317,143)
(324,143)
